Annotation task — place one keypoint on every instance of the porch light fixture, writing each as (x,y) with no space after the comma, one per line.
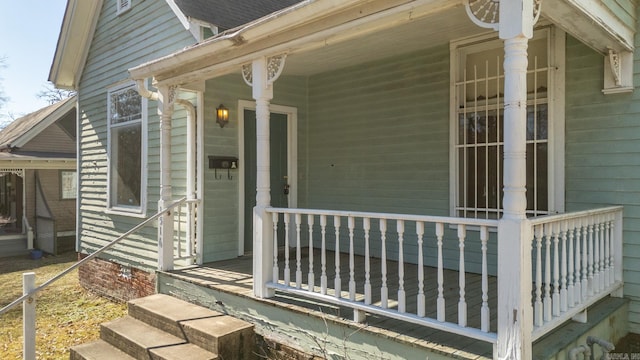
(222,115)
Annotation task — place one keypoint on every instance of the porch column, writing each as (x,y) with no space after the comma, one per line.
(261,75)
(166,96)
(262,222)
(515,319)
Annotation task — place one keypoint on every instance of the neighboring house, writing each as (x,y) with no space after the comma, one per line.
(38,181)
(390,131)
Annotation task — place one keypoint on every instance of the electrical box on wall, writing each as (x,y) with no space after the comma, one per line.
(223,162)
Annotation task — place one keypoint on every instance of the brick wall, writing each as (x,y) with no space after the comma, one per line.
(115,281)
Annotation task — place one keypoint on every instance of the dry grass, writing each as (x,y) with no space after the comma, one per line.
(67,314)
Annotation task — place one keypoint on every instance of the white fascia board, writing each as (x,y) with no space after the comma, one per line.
(77,30)
(181,17)
(28,135)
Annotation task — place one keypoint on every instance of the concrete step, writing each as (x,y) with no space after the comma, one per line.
(97,350)
(183,351)
(226,336)
(166,312)
(135,337)
(213,331)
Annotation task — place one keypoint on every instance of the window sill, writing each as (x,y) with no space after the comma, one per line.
(136,213)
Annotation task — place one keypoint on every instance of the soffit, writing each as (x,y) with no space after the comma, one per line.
(403,27)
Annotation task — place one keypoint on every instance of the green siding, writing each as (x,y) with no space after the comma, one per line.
(148,31)
(625,10)
(602,155)
(220,231)
(379,136)
(378,140)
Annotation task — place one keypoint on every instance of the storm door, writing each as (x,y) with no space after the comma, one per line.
(278,131)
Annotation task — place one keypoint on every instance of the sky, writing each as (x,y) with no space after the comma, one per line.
(28,36)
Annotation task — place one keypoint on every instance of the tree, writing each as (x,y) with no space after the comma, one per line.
(52,95)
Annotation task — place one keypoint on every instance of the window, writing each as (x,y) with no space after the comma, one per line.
(127,136)
(68,184)
(477,129)
(123,6)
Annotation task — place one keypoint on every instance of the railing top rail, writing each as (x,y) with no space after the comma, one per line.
(389,216)
(574,215)
(92,255)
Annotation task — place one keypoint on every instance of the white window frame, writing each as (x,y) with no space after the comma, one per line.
(556,109)
(123,6)
(138,211)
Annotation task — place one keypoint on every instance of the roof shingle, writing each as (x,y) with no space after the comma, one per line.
(228,14)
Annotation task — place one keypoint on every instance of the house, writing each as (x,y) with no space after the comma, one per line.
(38,181)
(458,182)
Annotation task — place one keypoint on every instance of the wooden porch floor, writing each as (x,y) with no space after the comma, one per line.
(235,277)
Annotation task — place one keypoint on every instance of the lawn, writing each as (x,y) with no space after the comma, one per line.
(67,314)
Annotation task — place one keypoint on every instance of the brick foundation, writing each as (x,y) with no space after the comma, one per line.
(114,281)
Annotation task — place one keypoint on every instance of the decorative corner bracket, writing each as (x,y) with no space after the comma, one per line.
(618,72)
(17,172)
(275,65)
(486,13)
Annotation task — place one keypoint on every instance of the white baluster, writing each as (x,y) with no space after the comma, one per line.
(337,282)
(352,279)
(366,225)
(538,301)
(441,300)
(276,271)
(613,247)
(555,298)
(311,275)
(484,311)
(384,290)
(608,250)
(590,275)
(287,270)
(298,252)
(578,268)
(421,297)
(401,292)
(585,260)
(546,302)
(602,256)
(462,304)
(563,274)
(570,287)
(596,255)
(323,255)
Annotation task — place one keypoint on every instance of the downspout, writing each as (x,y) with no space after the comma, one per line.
(191,126)
(191,151)
(191,174)
(191,146)
(144,92)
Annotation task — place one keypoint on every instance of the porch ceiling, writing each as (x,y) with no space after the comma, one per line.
(322,36)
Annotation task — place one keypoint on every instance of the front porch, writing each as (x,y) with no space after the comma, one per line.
(379,131)
(315,325)
(427,285)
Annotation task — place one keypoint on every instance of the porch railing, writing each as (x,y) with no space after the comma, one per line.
(577,260)
(30,290)
(390,236)
(185,239)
